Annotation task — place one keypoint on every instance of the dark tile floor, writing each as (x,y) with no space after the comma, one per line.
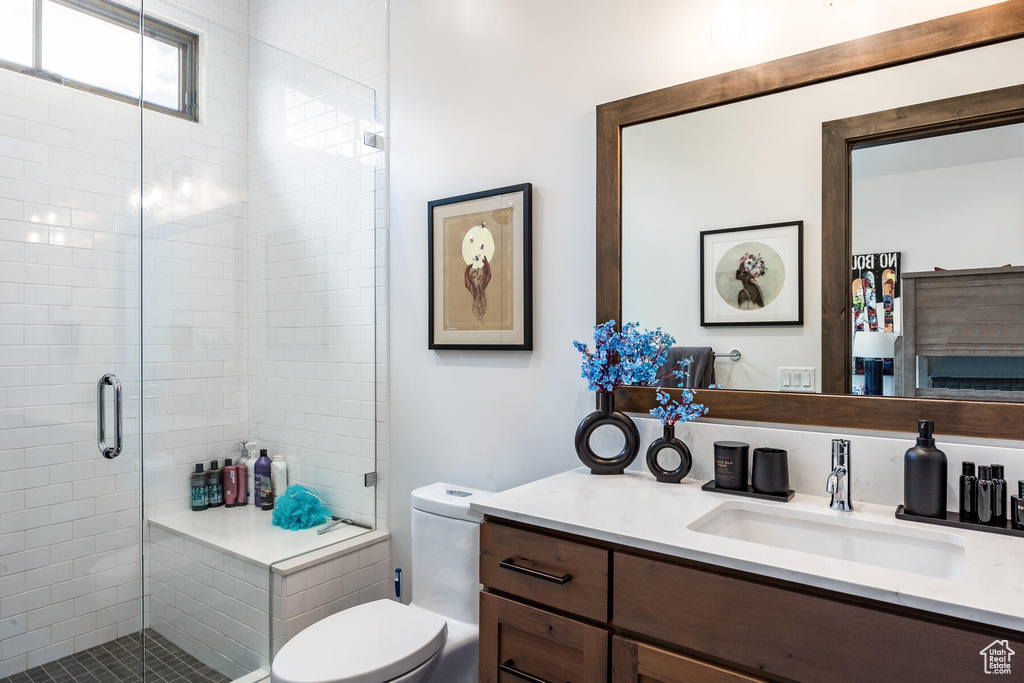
(120,661)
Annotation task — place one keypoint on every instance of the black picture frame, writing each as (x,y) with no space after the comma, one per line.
(792,310)
(520,195)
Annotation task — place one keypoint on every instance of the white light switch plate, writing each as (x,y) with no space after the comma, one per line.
(799,380)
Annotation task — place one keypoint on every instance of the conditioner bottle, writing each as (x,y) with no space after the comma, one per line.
(998,495)
(968,493)
(199,500)
(262,485)
(215,485)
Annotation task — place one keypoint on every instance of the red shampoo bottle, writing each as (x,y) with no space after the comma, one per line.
(230,484)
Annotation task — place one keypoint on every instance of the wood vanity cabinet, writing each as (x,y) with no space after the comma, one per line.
(558,608)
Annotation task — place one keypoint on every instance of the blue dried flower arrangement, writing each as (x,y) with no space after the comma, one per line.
(629,357)
(684,410)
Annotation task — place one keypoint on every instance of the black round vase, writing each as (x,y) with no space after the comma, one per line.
(606,416)
(669,442)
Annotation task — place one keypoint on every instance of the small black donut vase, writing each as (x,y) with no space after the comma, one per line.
(669,442)
(606,416)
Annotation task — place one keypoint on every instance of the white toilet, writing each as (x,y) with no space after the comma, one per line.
(432,639)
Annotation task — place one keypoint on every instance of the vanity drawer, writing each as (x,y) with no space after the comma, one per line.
(636,662)
(561,574)
(791,634)
(518,641)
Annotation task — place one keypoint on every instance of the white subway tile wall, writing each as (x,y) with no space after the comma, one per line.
(210,604)
(346,36)
(70,301)
(195,220)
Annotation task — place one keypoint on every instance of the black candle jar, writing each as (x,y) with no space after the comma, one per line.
(731,465)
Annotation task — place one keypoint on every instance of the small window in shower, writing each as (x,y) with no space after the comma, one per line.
(93,45)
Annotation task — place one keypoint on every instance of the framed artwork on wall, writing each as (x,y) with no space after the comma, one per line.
(480,283)
(752,276)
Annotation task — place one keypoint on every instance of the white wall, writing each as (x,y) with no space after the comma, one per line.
(971,216)
(490,93)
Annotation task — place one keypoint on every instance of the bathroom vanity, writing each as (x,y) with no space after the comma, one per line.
(618,578)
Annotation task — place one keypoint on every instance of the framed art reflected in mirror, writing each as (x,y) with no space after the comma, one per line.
(752,276)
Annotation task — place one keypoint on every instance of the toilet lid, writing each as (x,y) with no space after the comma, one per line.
(369,643)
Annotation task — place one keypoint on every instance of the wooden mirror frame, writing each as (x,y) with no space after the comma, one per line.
(955,33)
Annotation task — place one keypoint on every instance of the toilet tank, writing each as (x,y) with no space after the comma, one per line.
(445,551)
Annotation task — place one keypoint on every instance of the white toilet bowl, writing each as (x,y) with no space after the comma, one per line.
(381,641)
(434,638)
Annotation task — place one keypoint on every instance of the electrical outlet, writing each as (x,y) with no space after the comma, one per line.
(799,380)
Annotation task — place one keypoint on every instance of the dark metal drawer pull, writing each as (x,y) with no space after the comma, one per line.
(560,580)
(507,667)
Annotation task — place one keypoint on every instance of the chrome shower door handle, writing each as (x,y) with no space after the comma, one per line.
(101,417)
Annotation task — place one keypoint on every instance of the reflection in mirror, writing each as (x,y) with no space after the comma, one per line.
(759,161)
(934,222)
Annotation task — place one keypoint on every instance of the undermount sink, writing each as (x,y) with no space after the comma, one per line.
(919,551)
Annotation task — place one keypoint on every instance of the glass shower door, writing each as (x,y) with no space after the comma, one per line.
(70,522)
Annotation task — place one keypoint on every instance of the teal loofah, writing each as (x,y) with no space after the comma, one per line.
(300,508)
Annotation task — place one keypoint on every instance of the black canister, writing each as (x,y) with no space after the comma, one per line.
(968,493)
(770,471)
(998,495)
(984,501)
(1017,508)
(731,469)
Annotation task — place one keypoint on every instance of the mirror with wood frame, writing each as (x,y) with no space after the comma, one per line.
(849,134)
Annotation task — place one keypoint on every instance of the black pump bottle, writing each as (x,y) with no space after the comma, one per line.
(924,476)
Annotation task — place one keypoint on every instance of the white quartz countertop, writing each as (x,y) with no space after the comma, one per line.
(634,510)
(248,534)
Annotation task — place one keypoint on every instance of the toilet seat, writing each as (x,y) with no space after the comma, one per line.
(371,643)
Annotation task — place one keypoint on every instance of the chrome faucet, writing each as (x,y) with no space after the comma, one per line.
(838,483)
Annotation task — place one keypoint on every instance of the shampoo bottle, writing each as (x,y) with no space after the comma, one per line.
(230,484)
(985,498)
(968,493)
(242,465)
(215,485)
(250,475)
(924,476)
(199,501)
(241,473)
(998,496)
(261,480)
(278,476)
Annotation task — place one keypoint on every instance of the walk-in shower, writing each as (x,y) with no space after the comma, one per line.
(176,278)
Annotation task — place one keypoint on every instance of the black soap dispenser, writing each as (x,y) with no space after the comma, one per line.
(924,476)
